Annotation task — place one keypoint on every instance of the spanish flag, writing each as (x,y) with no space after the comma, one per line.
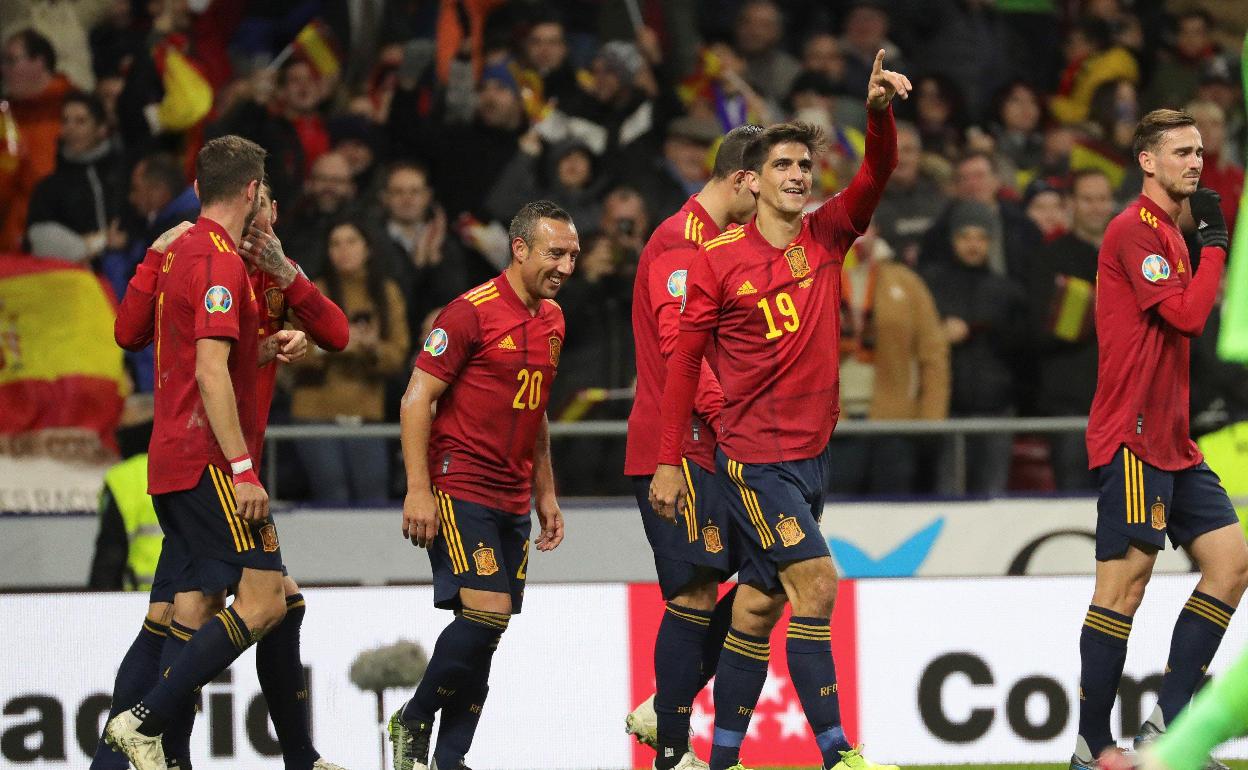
(188,94)
(59,366)
(316,43)
(1072,309)
(1233,337)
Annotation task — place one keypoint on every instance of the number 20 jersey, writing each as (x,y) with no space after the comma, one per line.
(775,316)
(500,361)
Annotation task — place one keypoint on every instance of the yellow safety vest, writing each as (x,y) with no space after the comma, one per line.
(1226,451)
(127,481)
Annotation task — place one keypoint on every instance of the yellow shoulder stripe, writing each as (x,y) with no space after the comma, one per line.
(728,237)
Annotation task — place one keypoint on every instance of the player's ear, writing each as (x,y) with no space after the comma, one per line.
(1147,162)
(519,251)
(195,185)
(751,180)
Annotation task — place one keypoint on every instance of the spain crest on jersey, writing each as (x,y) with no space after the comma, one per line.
(485,561)
(1159,515)
(710,539)
(796,257)
(790,531)
(275,301)
(556,346)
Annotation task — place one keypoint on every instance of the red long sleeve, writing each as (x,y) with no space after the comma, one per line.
(880,158)
(136,316)
(1189,310)
(678,392)
(709,400)
(318,315)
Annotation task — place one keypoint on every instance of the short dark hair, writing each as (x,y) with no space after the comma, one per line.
(1087,173)
(729,158)
(525,221)
(1194,13)
(90,102)
(37,47)
(1155,124)
(226,165)
(161,168)
(404,165)
(756,151)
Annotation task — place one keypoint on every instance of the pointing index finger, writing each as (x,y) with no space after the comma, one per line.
(879,63)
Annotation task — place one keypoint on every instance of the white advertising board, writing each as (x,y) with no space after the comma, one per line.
(955,671)
(559,686)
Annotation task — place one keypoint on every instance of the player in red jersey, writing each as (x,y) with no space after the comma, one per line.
(1150,301)
(692,559)
(206,421)
(276,280)
(768,294)
(476,468)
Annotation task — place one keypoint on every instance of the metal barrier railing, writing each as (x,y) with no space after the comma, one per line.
(957,429)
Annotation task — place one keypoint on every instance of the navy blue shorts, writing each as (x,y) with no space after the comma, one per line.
(775,510)
(208,544)
(697,543)
(1142,504)
(477,547)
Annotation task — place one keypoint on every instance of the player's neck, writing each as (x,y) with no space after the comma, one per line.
(715,200)
(513,279)
(228,217)
(1158,195)
(778,228)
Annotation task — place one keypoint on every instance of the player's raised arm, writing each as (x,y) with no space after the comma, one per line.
(136,316)
(549,516)
(1189,310)
(420,510)
(866,188)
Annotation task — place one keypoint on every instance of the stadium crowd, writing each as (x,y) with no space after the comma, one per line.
(403,135)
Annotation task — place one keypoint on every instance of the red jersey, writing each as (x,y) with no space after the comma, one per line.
(500,361)
(1142,377)
(658,295)
(324,321)
(777,323)
(202,291)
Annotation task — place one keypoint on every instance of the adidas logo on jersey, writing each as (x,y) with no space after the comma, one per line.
(746,288)
(507,343)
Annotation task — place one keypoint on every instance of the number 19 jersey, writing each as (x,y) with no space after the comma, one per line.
(775,314)
(500,361)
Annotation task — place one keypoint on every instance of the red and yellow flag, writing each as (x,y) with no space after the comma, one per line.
(59,366)
(316,43)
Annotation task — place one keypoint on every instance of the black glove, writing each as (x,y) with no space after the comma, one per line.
(1210,224)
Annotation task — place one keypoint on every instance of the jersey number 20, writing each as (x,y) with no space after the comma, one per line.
(529,396)
(786,308)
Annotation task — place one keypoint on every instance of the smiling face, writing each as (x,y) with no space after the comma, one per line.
(1175,162)
(549,260)
(785,181)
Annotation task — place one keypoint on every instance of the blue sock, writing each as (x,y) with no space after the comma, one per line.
(721,621)
(459,721)
(1197,634)
(465,646)
(176,739)
(1102,653)
(809,648)
(136,675)
(678,673)
(739,681)
(209,652)
(279,667)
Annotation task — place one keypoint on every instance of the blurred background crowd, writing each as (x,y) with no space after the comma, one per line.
(403,134)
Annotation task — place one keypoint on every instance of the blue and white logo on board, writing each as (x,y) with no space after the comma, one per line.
(436,342)
(218,299)
(1155,268)
(676,283)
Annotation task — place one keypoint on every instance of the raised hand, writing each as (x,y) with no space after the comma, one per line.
(263,251)
(885,84)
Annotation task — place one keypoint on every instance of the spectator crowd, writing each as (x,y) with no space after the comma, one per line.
(403,134)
